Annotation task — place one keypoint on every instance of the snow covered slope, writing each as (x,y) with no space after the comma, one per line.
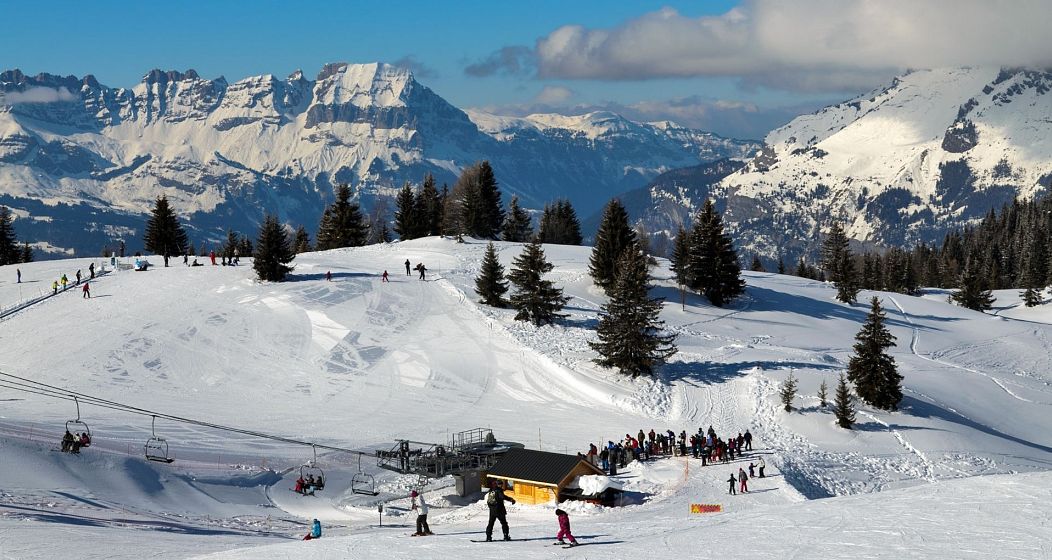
(933,150)
(75,152)
(357,363)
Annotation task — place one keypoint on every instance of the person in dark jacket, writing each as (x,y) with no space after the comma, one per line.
(732,480)
(495,500)
(748,440)
(407,272)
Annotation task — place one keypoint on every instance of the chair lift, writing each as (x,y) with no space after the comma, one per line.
(77,426)
(156,448)
(362,483)
(311,468)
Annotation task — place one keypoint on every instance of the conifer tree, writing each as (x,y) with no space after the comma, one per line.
(273,251)
(559,224)
(164,236)
(973,292)
(27,253)
(757,265)
(535,299)
(518,227)
(341,224)
(847,279)
(490,284)
(429,208)
(801,269)
(713,266)
(871,368)
(823,394)
(629,329)
(10,252)
(407,221)
(231,245)
(679,260)
(781,265)
(788,392)
(843,405)
(613,237)
(491,210)
(834,247)
(301,243)
(246,246)
(1033,275)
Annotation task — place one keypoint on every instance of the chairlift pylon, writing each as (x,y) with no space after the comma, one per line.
(156,448)
(362,483)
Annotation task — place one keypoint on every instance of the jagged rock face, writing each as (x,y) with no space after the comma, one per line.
(932,151)
(224,153)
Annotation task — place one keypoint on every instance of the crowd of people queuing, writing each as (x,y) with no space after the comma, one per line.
(705,445)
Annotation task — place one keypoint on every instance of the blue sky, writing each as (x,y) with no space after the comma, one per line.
(733,67)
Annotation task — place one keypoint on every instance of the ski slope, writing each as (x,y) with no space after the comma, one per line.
(356,363)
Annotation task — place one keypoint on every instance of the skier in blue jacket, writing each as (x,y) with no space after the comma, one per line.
(315,531)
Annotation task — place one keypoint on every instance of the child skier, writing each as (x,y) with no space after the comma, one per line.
(564,528)
(732,480)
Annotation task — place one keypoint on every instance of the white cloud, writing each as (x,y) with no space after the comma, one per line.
(805,45)
(554,95)
(39,95)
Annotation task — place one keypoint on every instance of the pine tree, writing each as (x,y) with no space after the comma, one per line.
(490,284)
(872,369)
(757,265)
(164,236)
(788,392)
(713,268)
(491,210)
(847,279)
(10,252)
(629,330)
(518,227)
(301,244)
(843,405)
(559,224)
(535,298)
(834,247)
(27,253)
(1033,275)
(781,265)
(679,260)
(246,246)
(974,292)
(801,269)
(823,394)
(1031,297)
(231,245)
(273,251)
(341,223)
(407,221)
(429,208)
(611,240)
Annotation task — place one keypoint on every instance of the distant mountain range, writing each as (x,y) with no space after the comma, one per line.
(81,163)
(933,151)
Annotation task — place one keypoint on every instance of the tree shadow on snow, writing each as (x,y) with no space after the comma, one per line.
(924,409)
(710,373)
(321,276)
(878,427)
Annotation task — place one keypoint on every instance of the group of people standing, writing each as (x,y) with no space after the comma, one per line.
(705,445)
(64,281)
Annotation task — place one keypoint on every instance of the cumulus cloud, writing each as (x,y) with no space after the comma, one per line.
(39,95)
(806,45)
(419,69)
(554,95)
(513,60)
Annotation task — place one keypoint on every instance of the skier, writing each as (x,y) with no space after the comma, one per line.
(212,256)
(495,500)
(85,441)
(422,529)
(91,270)
(752,470)
(604,459)
(422,270)
(54,287)
(760,466)
(328,275)
(315,531)
(407,273)
(18,272)
(86,290)
(748,440)
(744,480)
(64,281)
(78,277)
(732,480)
(384,277)
(67,442)
(186,260)
(564,528)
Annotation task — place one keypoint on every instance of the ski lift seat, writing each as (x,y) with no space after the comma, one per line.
(362,483)
(156,449)
(79,427)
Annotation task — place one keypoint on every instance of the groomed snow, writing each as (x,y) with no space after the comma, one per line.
(356,363)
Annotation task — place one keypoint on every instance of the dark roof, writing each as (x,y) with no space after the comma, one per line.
(536,466)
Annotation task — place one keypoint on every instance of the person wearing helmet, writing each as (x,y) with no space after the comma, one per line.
(422,529)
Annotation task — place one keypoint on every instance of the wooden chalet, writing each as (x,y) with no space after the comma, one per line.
(537,477)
